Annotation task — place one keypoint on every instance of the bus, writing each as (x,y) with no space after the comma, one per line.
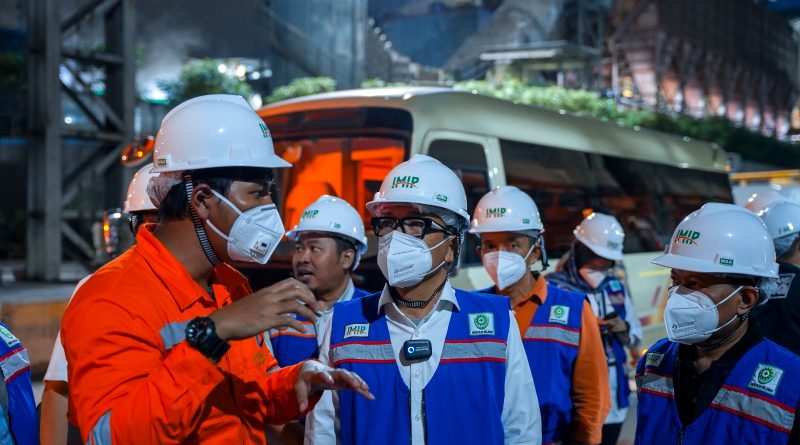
(344,143)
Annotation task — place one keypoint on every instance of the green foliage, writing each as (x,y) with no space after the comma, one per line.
(302,87)
(751,145)
(199,78)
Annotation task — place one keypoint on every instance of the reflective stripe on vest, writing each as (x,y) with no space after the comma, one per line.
(14,363)
(732,400)
(460,351)
(754,407)
(309,331)
(563,335)
(173,333)
(362,352)
(656,384)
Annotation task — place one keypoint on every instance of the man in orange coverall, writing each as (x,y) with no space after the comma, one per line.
(165,344)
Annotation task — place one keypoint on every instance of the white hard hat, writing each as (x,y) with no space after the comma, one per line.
(218,130)
(330,214)
(423,180)
(506,209)
(760,200)
(782,218)
(137,199)
(721,238)
(602,234)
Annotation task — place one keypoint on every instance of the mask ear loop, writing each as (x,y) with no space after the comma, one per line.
(543,257)
(198,224)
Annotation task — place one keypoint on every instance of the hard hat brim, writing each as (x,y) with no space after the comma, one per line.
(602,252)
(294,235)
(679,262)
(272,161)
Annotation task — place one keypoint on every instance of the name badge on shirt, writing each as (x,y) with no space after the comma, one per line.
(356,330)
(481,323)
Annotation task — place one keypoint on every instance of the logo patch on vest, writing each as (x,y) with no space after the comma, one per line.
(356,330)
(8,337)
(481,323)
(653,359)
(766,378)
(559,314)
(615,285)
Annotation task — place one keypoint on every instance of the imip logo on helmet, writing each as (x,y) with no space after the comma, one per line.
(264,130)
(310,214)
(406,182)
(498,212)
(687,237)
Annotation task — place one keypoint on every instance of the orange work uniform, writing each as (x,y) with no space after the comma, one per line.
(590,392)
(134,379)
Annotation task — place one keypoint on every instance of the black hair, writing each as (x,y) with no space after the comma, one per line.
(176,205)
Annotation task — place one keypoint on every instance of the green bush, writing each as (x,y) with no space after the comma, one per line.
(302,87)
(199,78)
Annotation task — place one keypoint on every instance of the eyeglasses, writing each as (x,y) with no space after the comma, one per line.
(415,226)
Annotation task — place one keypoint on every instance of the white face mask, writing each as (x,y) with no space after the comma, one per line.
(254,235)
(691,316)
(593,277)
(405,260)
(506,268)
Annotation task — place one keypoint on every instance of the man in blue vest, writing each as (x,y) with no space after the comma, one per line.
(18,422)
(558,327)
(779,317)
(716,379)
(329,241)
(447,366)
(589,269)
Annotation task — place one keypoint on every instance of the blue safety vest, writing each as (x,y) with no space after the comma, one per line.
(290,346)
(553,337)
(756,405)
(18,422)
(463,401)
(615,350)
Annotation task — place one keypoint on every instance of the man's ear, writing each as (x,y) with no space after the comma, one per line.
(202,200)
(749,299)
(479,251)
(348,257)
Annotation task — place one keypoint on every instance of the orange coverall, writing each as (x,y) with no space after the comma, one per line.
(134,379)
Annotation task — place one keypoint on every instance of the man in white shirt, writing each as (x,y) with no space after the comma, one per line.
(446,366)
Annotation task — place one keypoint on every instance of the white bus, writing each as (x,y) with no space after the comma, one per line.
(344,143)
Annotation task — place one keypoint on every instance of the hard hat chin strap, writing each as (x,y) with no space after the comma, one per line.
(198,224)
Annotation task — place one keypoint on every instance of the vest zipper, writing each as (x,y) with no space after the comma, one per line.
(424,418)
(680,436)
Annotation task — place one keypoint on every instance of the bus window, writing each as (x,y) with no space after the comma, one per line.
(653,198)
(559,181)
(468,160)
(351,168)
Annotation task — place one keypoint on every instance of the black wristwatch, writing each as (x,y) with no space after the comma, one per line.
(201,334)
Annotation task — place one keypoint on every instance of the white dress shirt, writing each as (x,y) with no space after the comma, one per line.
(520,417)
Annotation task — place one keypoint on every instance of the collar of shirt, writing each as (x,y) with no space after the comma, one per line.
(224,280)
(447,300)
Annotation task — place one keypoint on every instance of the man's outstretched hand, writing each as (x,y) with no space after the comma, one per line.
(315,377)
